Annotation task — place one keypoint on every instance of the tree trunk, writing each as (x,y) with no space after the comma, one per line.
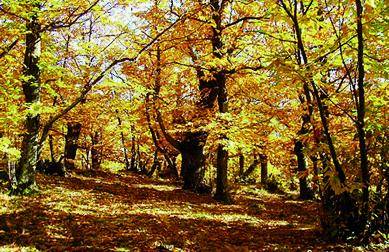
(171,164)
(126,160)
(305,192)
(155,136)
(191,149)
(340,215)
(241,165)
(263,160)
(71,144)
(220,79)
(95,151)
(222,193)
(25,172)
(133,166)
(361,117)
(316,180)
(251,167)
(192,165)
(316,93)
(155,165)
(51,145)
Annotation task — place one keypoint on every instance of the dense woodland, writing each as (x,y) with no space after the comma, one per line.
(213,97)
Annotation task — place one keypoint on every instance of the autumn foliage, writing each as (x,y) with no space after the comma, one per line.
(216,96)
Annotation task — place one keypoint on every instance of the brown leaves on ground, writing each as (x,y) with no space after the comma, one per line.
(127,212)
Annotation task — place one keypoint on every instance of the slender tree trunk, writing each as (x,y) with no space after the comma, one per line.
(95,151)
(305,192)
(87,160)
(252,167)
(51,145)
(155,165)
(155,137)
(316,170)
(361,116)
(51,141)
(241,165)
(222,193)
(71,144)
(340,212)
(133,166)
(264,173)
(25,172)
(305,99)
(137,157)
(319,102)
(126,160)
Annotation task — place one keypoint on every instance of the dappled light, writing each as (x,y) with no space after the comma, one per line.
(182,125)
(110,215)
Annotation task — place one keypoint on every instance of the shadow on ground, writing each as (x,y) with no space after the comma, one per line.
(109,212)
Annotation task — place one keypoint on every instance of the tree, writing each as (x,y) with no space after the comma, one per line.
(37,29)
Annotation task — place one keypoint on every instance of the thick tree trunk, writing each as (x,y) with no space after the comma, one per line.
(191,149)
(71,144)
(192,165)
(222,193)
(264,173)
(95,151)
(25,172)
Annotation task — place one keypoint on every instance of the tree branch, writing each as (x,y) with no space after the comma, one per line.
(93,81)
(9,48)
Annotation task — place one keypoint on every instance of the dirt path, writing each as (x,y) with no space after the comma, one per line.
(127,212)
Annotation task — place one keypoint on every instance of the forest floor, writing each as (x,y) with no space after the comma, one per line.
(128,212)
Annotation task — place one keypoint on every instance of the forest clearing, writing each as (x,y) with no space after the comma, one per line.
(194,125)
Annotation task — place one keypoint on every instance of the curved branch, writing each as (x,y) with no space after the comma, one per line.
(155,137)
(175,143)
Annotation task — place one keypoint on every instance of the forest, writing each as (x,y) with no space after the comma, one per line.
(194,125)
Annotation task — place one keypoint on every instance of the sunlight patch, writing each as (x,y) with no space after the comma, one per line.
(55,231)
(12,247)
(161,188)
(189,213)
(10,204)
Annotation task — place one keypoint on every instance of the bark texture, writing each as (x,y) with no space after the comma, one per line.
(95,151)
(71,144)
(25,171)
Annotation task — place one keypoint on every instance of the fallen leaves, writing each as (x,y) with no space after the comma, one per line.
(128,212)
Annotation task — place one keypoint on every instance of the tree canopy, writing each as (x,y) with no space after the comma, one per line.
(210,93)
